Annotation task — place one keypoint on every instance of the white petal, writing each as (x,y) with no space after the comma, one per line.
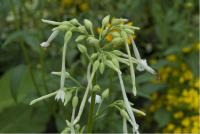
(44,44)
(60,95)
(97,99)
(144,66)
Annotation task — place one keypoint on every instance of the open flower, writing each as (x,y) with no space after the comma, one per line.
(142,65)
(97,99)
(60,95)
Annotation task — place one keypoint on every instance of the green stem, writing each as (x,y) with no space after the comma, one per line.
(43,71)
(91,113)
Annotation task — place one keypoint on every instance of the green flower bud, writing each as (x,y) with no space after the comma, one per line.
(124,35)
(105,32)
(105,20)
(101,67)
(74,22)
(124,114)
(80,38)
(96,88)
(82,29)
(75,101)
(68,36)
(94,56)
(115,34)
(117,41)
(129,31)
(88,24)
(93,41)
(82,48)
(118,21)
(51,22)
(105,93)
(117,52)
(112,66)
(115,62)
(61,28)
(95,65)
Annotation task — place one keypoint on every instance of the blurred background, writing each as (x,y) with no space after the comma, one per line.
(168,39)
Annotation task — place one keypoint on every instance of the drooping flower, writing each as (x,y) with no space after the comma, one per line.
(60,95)
(51,37)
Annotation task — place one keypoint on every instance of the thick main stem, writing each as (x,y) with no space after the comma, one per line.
(91,113)
(127,105)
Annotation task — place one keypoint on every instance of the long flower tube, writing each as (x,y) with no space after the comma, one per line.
(85,97)
(131,69)
(128,106)
(61,93)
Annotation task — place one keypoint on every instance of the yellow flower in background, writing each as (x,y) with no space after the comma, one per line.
(178,115)
(197,83)
(185,122)
(109,37)
(170,126)
(67,3)
(186,49)
(171,58)
(197,47)
(84,6)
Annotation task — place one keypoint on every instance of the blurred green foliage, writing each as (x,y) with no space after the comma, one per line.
(168,36)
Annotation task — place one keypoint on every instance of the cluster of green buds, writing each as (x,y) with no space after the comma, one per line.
(101,54)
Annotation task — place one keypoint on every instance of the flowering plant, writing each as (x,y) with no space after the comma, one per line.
(100,53)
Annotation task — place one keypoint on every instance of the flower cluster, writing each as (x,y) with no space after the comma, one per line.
(101,53)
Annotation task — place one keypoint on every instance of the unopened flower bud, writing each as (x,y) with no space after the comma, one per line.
(117,52)
(82,29)
(101,67)
(96,65)
(75,101)
(94,56)
(51,22)
(117,41)
(68,36)
(105,93)
(96,88)
(118,21)
(82,48)
(105,20)
(88,24)
(80,38)
(92,40)
(124,114)
(74,22)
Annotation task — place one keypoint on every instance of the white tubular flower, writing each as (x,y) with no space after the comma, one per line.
(142,65)
(51,37)
(97,99)
(60,95)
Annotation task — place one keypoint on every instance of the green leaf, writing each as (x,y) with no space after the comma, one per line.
(32,40)
(23,119)
(162,117)
(6,99)
(16,78)
(13,37)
